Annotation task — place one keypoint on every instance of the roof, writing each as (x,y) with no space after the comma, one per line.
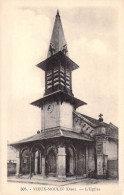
(57,42)
(111,129)
(86,119)
(94,121)
(62,96)
(47,134)
(56,58)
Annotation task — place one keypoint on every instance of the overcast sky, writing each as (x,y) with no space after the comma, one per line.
(92,38)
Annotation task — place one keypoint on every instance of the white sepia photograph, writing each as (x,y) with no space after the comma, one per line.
(60,97)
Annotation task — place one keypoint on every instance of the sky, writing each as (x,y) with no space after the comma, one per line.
(91,33)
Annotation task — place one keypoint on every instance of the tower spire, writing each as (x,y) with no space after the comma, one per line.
(57,13)
(57,42)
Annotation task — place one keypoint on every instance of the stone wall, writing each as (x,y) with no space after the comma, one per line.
(111,151)
(50,119)
(81,126)
(66,115)
(112,168)
(91,159)
(61,114)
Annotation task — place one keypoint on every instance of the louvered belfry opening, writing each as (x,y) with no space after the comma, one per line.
(58,77)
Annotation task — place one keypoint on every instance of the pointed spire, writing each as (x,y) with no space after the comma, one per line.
(57,42)
(57,13)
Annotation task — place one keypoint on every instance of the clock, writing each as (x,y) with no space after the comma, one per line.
(50,108)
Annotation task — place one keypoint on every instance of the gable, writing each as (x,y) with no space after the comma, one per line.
(82,125)
(89,126)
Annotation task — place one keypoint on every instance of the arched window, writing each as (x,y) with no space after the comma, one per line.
(37,151)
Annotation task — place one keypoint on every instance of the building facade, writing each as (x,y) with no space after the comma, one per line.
(69,143)
(11,160)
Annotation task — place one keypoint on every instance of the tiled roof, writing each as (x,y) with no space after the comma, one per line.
(53,134)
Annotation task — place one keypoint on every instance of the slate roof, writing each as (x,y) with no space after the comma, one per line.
(53,134)
(59,56)
(57,38)
(62,96)
(73,134)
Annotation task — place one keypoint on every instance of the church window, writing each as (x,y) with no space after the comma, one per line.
(49,79)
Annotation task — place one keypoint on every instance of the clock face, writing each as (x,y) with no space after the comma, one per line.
(50,108)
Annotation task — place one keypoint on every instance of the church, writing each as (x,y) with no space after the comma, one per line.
(69,144)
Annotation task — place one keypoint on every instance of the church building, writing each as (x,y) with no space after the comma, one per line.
(69,144)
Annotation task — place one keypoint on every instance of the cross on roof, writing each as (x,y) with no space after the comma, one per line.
(100,115)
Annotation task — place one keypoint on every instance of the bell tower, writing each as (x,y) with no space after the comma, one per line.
(57,71)
(58,102)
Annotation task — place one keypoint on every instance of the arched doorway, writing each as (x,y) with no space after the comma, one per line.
(37,162)
(51,162)
(25,161)
(37,152)
(70,161)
